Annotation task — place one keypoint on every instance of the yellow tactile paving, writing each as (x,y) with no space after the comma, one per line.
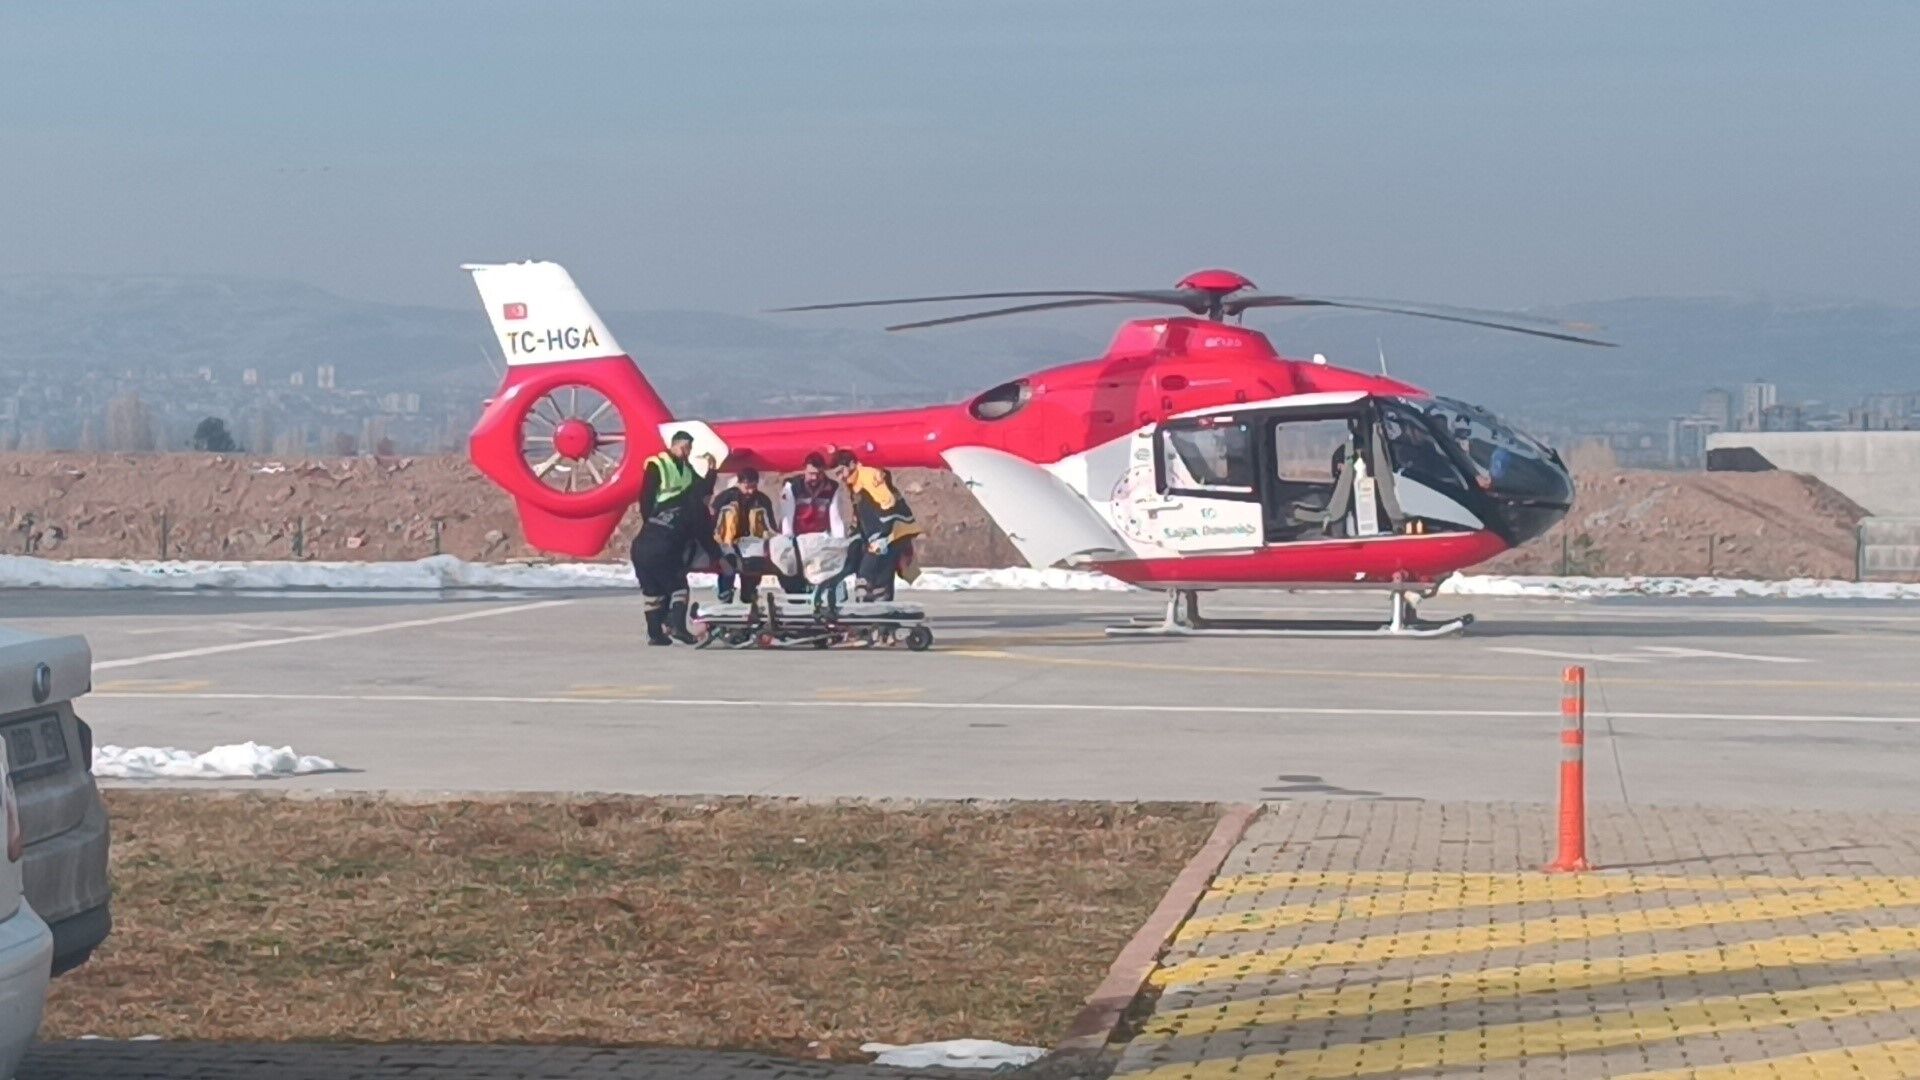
(1833,896)
(1896,1060)
(1463,893)
(1560,1035)
(1798,960)
(1490,984)
(1541,886)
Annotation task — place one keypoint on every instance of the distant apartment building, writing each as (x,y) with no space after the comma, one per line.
(1755,399)
(1886,412)
(323,377)
(298,378)
(250,377)
(1782,418)
(1717,405)
(1687,439)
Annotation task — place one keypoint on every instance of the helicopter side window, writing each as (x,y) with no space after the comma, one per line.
(1208,458)
(1305,499)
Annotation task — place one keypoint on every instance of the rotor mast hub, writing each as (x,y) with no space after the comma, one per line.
(1214,286)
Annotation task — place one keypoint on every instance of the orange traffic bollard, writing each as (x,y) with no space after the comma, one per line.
(1573,775)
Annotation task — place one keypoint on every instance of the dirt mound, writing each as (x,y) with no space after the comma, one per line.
(193,506)
(1749,525)
(1763,525)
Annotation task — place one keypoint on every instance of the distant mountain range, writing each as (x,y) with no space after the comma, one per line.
(1672,348)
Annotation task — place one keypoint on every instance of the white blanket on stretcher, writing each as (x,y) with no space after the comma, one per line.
(816,556)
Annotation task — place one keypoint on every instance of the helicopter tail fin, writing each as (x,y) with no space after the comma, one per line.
(569,431)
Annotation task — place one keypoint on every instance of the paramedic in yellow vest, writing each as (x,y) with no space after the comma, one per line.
(885,525)
(673,512)
(740,512)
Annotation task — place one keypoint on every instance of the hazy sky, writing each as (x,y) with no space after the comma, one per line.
(737,155)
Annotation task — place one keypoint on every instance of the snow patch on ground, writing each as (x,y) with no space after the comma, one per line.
(440,572)
(444,573)
(1721,588)
(240,761)
(954,1054)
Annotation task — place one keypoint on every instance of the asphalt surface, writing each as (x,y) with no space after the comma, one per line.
(1802,704)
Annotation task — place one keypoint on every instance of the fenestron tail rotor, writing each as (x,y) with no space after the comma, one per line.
(573,438)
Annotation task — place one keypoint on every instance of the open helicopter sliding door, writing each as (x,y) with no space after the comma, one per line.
(1049,522)
(1316,479)
(1207,490)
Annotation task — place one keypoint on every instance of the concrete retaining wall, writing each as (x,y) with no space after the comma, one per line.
(1880,470)
(1889,549)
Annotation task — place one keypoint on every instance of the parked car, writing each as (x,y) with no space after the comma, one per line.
(26,944)
(63,823)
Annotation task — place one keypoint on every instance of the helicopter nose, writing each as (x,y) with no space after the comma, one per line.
(1534,499)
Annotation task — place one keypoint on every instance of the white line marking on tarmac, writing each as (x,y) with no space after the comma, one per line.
(1659,652)
(221,627)
(324,635)
(1584,658)
(1008,706)
(1712,654)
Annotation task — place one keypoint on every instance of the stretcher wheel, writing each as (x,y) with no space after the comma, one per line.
(919,639)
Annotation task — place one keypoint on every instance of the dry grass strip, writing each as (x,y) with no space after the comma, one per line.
(753,924)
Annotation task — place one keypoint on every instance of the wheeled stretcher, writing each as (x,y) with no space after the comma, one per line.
(822,619)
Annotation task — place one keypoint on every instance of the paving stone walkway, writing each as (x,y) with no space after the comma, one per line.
(1402,939)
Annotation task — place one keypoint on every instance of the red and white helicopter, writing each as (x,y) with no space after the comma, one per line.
(1190,457)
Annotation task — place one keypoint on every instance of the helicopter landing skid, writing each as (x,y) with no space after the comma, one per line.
(1183,619)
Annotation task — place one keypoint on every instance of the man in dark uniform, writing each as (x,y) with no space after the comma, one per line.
(673,512)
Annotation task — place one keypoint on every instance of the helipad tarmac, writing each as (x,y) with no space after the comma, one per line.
(1804,704)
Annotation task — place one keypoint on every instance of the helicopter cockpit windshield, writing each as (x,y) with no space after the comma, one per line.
(1505,460)
(1471,460)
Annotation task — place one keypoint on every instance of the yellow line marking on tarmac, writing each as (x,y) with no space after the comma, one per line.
(1456,895)
(1421,676)
(895,693)
(618,693)
(1538,931)
(990,642)
(153,686)
(1560,1036)
(1896,1060)
(1586,973)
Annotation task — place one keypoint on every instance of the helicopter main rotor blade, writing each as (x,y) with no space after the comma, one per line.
(1235,307)
(1455,309)
(996,312)
(1146,296)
